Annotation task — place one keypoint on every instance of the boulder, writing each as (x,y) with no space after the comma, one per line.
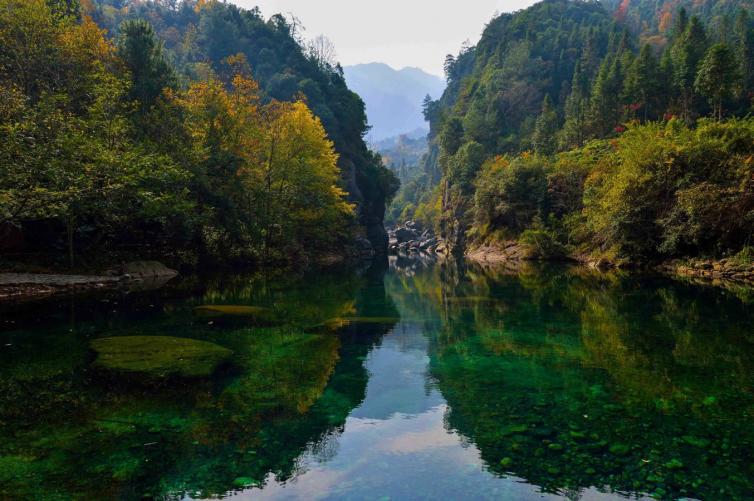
(159,356)
(404,234)
(147,269)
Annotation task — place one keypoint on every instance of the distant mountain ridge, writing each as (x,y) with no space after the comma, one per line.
(393,97)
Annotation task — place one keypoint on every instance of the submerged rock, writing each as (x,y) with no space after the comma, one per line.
(159,356)
(230,310)
(335,324)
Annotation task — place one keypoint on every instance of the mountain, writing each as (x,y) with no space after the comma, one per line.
(560,76)
(393,97)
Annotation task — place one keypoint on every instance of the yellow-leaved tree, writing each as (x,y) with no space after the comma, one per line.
(267,173)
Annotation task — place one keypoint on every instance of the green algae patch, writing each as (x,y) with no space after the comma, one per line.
(159,356)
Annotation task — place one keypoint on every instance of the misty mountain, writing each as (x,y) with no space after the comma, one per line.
(393,97)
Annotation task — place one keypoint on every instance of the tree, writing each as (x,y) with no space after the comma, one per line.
(605,103)
(303,204)
(449,67)
(451,137)
(574,128)
(509,193)
(267,174)
(680,23)
(28,46)
(66,8)
(717,77)
(688,52)
(430,109)
(143,56)
(543,140)
(744,35)
(643,83)
(321,50)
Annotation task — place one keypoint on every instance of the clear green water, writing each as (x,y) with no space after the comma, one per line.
(447,383)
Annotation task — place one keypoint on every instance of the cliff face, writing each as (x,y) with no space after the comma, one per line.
(370,211)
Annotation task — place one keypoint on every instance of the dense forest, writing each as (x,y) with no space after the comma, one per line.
(564,128)
(193,131)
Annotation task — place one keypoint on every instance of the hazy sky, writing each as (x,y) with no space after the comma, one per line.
(397,32)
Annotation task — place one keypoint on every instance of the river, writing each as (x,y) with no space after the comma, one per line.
(416,381)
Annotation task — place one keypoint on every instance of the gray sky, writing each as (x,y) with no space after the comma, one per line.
(400,33)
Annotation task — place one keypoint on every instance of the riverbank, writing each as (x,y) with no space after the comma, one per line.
(29,286)
(715,272)
(25,286)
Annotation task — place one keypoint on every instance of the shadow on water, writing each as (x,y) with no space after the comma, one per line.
(425,380)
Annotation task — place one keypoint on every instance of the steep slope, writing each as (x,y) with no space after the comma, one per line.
(199,35)
(393,97)
(555,76)
(496,89)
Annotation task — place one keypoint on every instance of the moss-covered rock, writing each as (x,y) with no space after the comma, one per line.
(159,356)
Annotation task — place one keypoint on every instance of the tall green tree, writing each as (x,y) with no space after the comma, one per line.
(143,56)
(643,83)
(543,140)
(680,23)
(688,52)
(718,77)
(574,128)
(605,103)
(744,35)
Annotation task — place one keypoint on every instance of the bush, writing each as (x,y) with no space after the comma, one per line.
(510,193)
(543,244)
(745,256)
(664,190)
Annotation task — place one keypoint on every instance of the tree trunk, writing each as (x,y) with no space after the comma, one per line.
(70,230)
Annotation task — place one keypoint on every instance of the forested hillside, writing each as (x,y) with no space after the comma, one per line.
(192,127)
(568,76)
(653,19)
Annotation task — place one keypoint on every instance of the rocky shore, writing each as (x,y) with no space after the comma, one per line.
(412,238)
(728,271)
(504,252)
(25,286)
(723,270)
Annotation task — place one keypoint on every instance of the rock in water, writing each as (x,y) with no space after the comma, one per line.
(159,356)
(404,235)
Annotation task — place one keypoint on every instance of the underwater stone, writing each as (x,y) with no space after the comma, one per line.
(230,310)
(159,356)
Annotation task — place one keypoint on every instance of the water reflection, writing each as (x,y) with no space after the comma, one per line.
(430,381)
